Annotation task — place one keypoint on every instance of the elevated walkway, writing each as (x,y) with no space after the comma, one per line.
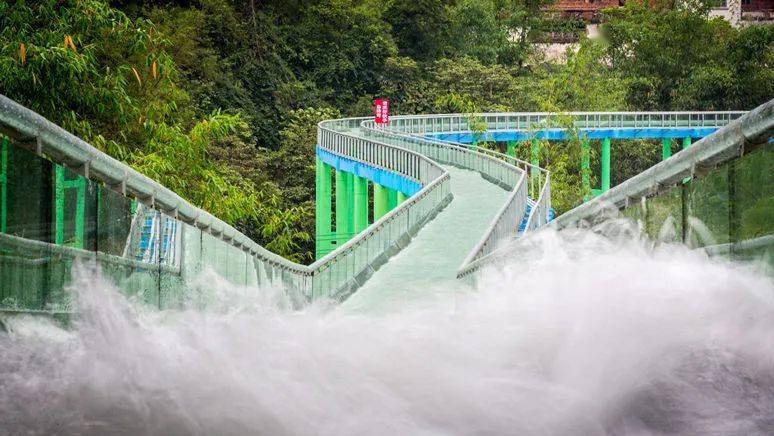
(62,201)
(431,261)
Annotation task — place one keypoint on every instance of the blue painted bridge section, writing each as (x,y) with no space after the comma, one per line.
(383,177)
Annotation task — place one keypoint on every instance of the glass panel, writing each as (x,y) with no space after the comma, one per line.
(753,176)
(28,195)
(708,209)
(664,216)
(115,218)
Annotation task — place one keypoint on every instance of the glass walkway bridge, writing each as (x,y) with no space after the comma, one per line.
(62,200)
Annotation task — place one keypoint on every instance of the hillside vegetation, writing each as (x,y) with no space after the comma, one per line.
(218,99)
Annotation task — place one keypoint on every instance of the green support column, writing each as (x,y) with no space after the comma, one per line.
(510,148)
(381,201)
(605,164)
(361,203)
(3,184)
(666,148)
(322,209)
(586,168)
(344,197)
(534,152)
(402,197)
(392,199)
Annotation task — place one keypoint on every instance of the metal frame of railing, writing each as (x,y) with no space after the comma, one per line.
(326,277)
(459,123)
(397,149)
(726,144)
(493,165)
(720,147)
(340,272)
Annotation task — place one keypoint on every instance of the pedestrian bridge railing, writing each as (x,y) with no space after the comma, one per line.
(57,163)
(35,266)
(493,122)
(507,171)
(716,195)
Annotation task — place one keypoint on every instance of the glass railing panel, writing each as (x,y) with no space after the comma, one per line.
(664,216)
(708,209)
(753,193)
(29,189)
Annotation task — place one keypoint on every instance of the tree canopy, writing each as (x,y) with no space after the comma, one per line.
(218,99)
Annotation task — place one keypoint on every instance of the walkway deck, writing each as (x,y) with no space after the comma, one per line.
(476,201)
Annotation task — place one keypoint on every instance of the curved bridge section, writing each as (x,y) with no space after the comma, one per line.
(377,186)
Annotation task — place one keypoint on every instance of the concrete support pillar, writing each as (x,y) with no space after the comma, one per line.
(344,197)
(586,168)
(361,204)
(666,148)
(322,209)
(381,201)
(604,165)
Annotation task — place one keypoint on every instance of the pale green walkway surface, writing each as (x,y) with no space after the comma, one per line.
(427,268)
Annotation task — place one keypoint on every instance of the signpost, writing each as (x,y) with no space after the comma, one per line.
(381,111)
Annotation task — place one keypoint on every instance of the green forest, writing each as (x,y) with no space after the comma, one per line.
(219,99)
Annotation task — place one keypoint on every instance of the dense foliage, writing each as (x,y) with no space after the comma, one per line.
(218,99)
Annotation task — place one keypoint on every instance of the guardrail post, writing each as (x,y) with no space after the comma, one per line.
(344,197)
(322,209)
(666,148)
(59,199)
(361,204)
(381,202)
(586,168)
(3,184)
(605,164)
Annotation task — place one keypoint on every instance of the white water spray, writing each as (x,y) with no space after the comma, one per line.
(586,335)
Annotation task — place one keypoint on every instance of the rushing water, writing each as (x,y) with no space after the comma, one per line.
(579,334)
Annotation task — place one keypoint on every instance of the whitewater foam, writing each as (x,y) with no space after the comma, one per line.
(583,334)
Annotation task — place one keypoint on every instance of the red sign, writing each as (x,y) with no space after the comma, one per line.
(382,111)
